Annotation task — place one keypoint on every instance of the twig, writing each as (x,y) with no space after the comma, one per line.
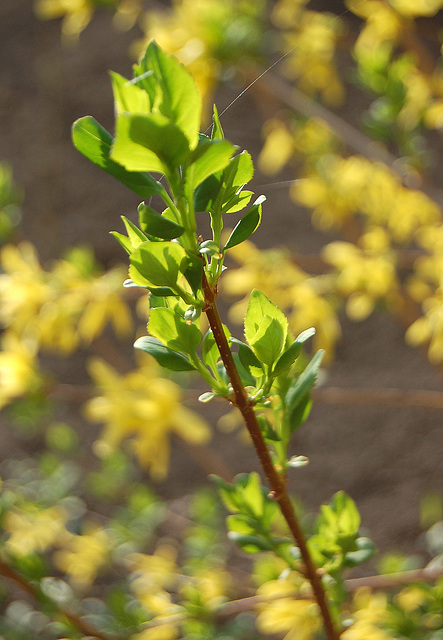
(381,397)
(276,482)
(74,618)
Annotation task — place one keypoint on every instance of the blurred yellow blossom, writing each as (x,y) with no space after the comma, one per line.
(151,573)
(19,372)
(410,598)
(145,408)
(365,274)
(82,556)
(412,8)
(291,289)
(32,529)
(63,307)
(344,187)
(76,14)
(383,24)
(278,147)
(298,619)
(310,42)
(369,615)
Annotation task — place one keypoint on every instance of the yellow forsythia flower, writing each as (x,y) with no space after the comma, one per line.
(145,408)
(411,598)
(365,274)
(63,307)
(82,556)
(18,368)
(76,14)
(310,39)
(369,615)
(297,619)
(412,8)
(33,530)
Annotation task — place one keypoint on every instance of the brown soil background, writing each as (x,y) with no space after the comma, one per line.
(386,458)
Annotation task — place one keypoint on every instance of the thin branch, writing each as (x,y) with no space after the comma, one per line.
(276,482)
(379,397)
(74,618)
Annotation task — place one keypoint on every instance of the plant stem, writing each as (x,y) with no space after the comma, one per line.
(276,482)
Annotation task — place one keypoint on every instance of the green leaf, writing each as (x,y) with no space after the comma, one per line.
(300,413)
(126,244)
(304,383)
(136,237)
(210,352)
(248,359)
(194,273)
(170,328)
(177,96)
(260,306)
(205,195)
(289,356)
(94,142)
(158,264)
(149,143)
(209,157)
(267,429)
(154,224)
(217,131)
(269,340)
(250,544)
(347,512)
(237,202)
(128,97)
(238,173)
(365,551)
(246,226)
(166,357)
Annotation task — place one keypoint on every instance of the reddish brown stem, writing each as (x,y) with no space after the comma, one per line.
(276,482)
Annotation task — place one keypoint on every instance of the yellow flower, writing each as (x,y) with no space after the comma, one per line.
(364,275)
(18,368)
(82,556)
(63,307)
(298,619)
(145,408)
(32,530)
(369,615)
(310,42)
(152,573)
(278,147)
(76,15)
(410,598)
(412,8)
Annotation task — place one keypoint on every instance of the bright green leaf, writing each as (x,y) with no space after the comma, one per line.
(291,354)
(166,357)
(128,97)
(149,143)
(260,306)
(208,158)
(94,142)
(269,340)
(136,237)
(217,131)
(170,328)
(155,224)
(177,96)
(304,383)
(158,264)
(246,226)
